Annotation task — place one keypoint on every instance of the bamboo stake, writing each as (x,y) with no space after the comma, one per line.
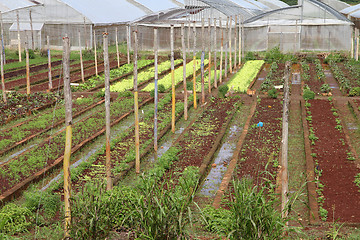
(32,31)
(215,57)
(194,65)
(202,61)
(95,51)
(230,50)
(209,68)
(27,68)
(172,79)
(2,76)
(156,88)
(128,43)
(188,37)
(81,60)
(85,34)
(226,47)
(221,49)
(117,47)
(357,44)
(137,138)
(235,42)
(107,110)
(18,33)
(240,41)
(68,123)
(184,71)
(2,38)
(352,44)
(49,61)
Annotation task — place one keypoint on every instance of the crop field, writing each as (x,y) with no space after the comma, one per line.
(269,152)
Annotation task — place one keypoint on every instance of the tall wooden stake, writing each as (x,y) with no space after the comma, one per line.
(230,50)
(18,33)
(215,53)
(357,43)
(68,123)
(95,52)
(226,46)
(49,61)
(156,88)
(194,65)
(27,68)
(85,34)
(352,44)
(235,42)
(240,40)
(117,47)
(2,76)
(107,110)
(81,60)
(136,105)
(202,60)
(32,31)
(172,79)
(221,50)
(128,43)
(2,38)
(209,37)
(184,71)
(188,37)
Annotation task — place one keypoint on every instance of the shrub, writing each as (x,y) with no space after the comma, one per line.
(223,89)
(250,56)
(274,55)
(31,54)
(355,91)
(325,88)
(307,93)
(335,57)
(161,88)
(272,93)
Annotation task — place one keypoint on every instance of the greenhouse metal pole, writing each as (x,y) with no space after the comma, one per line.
(235,42)
(184,71)
(96,63)
(172,79)
(226,46)
(209,68)
(230,50)
(18,33)
(221,50)
(32,31)
(49,61)
(194,67)
(156,88)
(117,47)
(136,105)
(68,124)
(202,60)
(128,43)
(2,76)
(107,110)
(27,68)
(215,53)
(81,60)
(2,38)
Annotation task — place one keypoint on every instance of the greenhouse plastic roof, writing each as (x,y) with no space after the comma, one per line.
(274,3)
(351,9)
(8,5)
(107,11)
(156,5)
(259,5)
(230,9)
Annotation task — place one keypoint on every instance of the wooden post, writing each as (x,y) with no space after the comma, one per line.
(68,124)
(85,34)
(215,53)
(240,41)
(235,42)
(357,43)
(18,33)
(172,79)
(284,143)
(226,46)
(95,52)
(230,50)
(32,31)
(202,60)
(128,43)
(117,47)
(221,49)
(156,88)
(107,110)
(49,61)
(27,67)
(209,37)
(194,65)
(2,38)
(2,76)
(136,106)
(188,37)
(352,44)
(81,60)
(184,71)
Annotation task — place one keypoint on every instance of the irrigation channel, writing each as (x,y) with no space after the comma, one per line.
(266,132)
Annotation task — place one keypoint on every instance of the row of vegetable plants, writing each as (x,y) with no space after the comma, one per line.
(346,75)
(274,77)
(47,152)
(314,77)
(19,105)
(17,134)
(335,169)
